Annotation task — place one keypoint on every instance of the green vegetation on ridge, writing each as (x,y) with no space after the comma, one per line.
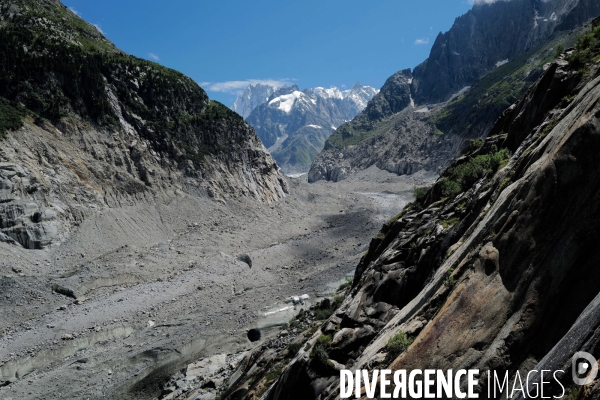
(397,344)
(473,112)
(353,132)
(52,21)
(587,48)
(10,117)
(461,177)
(55,65)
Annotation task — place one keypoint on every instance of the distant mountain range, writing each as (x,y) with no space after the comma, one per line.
(253,96)
(294,124)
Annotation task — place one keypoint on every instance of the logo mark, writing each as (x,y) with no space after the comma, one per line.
(581,363)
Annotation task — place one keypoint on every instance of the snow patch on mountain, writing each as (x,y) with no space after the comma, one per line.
(286,102)
(331,93)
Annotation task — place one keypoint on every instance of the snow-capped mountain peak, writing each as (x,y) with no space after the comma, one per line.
(252,97)
(287,101)
(331,93)
(294,124)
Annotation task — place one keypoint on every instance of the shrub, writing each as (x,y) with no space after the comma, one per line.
(475,144)
(449,281)
(293,348)
(574,393)
(504,184)
(10,117)
(295,324)
(450,188)
(420,193)
(274,374)
(319,354)
(397,344)
(461,177)
(319,351)
(559,50)
(396,217)
(548,128)
(323,314)
(449,222)
(301,314)
(325,340)
(586,47)
(346,284)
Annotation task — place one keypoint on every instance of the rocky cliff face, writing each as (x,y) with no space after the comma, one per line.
(480,66)
(85,126)
(494,267)
(408,133)
(409,138)
(294,124)
(491,34)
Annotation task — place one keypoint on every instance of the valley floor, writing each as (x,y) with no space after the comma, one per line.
(147,290)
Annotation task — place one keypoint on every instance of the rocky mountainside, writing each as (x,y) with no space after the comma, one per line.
(499,48)
(85,127)
(472,47)
(294,124)
(252,97)
(493,267)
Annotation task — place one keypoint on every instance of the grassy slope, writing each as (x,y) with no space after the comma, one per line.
(350,134)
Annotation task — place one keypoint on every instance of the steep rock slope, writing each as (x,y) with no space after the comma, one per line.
(85,126)
(491,34)
(494,267)
(408,132)
(294,124)
(498,48)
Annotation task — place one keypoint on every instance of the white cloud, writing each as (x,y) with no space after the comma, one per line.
(235,87)
(154,56)
(74,11)
(421,41)
(98,27)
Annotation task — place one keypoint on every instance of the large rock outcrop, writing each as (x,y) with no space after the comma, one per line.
(407,133)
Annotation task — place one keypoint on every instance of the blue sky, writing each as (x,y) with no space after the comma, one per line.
(223,45)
